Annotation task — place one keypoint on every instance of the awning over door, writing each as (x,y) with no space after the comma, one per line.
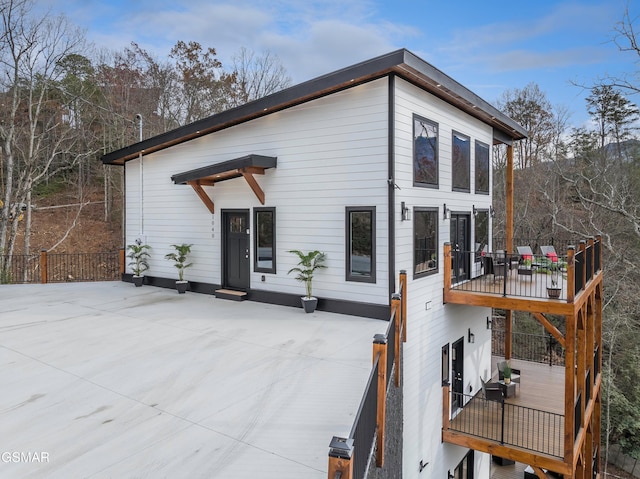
(246,166)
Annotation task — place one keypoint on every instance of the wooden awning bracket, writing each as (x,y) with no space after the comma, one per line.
(247,174)
(197,187)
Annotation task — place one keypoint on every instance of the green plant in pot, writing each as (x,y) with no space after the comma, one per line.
(139,255)
(179,258)
(308,264)
(554,291)
(506,373)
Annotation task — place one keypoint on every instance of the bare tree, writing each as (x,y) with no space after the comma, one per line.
(35,129)
(256,76)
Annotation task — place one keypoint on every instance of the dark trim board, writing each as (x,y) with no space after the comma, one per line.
(339,306)
(403,63)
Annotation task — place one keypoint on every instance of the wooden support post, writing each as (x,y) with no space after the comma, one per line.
(447,270)
(380,353)
(446,404)
(403,283)
(508,333)
(509,202)
(395,306)
(43,266)
(569,387)
(340,458)
(122,261)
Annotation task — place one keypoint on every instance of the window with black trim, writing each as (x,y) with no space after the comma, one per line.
(461,162)
(425,241)
(361,243)
(445,364)
(482,168)
(425,152)
(481,233)
(264,220)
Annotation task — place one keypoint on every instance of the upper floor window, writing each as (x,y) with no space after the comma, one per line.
(361,244)
(265,240)
(425,152)
(425,241)
(461,162)
(482,168)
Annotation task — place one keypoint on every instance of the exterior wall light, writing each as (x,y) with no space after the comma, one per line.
(471,337)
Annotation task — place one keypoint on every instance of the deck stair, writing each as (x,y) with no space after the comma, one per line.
(231,294)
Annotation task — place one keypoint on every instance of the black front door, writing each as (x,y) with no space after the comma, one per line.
(457,368)
(460,255)
(236,250)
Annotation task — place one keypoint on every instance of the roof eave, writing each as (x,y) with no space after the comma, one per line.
(401,62)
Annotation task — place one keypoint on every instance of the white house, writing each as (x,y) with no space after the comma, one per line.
(377,165)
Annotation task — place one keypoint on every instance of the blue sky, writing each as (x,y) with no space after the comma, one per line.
(487,46)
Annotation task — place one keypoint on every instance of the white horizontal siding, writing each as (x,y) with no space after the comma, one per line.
(332,153)
(430,329)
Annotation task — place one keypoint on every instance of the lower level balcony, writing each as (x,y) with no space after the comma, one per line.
(527,427)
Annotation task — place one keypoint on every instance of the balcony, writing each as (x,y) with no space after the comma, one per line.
(528,427)
(512,281)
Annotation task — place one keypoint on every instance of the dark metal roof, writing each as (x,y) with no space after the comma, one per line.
(225,170)
(401,62)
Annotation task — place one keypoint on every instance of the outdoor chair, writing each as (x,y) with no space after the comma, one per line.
(549,252)
(493,266)
(526,264)
(491,391)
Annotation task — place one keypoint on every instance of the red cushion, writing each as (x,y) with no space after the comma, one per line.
(553,257)
(527,257)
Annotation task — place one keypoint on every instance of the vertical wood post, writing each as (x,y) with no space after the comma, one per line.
(43,266)
(508,333)
(447,270)
(403,282)
(340,455)
(395,306)
(122,261)
(509,202)
(569,387)
(446,403)
(380,353)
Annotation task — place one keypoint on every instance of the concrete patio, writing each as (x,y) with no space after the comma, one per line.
(107,380)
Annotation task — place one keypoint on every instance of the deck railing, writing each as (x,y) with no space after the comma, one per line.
(537,348)
(509,424)
(350,456)
(61,267)
(560,277)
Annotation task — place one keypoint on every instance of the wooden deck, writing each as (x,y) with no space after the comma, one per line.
(532,285)
(533,418)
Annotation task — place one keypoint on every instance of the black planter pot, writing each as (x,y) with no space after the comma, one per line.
(138,280)
(309,304)
(181,286)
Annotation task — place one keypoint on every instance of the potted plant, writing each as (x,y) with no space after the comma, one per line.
(506,373)
(179,258)
(554,291)
(308,264)
(139,255)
